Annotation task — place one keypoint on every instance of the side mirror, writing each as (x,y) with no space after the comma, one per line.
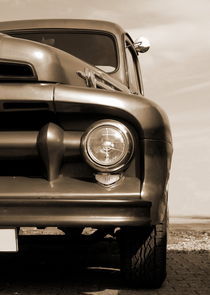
(142,45)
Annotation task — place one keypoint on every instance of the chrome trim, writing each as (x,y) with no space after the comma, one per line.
(97,79)
(142,45)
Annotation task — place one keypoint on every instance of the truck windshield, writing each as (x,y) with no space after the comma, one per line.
(97,49)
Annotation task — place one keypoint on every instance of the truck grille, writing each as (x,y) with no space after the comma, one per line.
(38,153)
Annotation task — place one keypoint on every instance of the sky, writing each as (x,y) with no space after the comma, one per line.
(176,74)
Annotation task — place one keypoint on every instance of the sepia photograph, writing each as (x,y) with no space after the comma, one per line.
(104,147)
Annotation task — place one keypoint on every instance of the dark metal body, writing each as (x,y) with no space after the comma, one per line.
(42,119)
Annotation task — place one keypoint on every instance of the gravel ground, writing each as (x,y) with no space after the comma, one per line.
(189,237)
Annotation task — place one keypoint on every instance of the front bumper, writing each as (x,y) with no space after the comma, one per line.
(71,202)
(79,213)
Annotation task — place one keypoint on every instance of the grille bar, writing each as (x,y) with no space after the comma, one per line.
(51,143)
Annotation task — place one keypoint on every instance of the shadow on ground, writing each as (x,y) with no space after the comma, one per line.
(50,265)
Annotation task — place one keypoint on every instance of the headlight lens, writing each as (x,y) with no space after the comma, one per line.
(107,145)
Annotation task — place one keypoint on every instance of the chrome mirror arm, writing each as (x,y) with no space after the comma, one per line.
(142,45)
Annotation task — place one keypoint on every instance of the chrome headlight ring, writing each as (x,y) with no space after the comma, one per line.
(107,146)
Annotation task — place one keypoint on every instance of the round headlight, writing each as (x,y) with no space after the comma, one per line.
(107,145)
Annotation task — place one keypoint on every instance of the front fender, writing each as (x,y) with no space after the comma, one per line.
(157,163)
(151,124)
(149,119)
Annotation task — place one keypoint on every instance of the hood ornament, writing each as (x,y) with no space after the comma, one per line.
(89,77)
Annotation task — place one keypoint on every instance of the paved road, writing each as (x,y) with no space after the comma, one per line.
(46,270)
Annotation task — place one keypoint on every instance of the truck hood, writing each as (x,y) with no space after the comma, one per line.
(29,60)
(71,86)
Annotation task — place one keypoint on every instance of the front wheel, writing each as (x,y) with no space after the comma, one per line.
(143,255)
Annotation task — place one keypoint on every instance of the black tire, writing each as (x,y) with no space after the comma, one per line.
(143,255)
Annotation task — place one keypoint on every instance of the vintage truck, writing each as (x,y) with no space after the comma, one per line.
(80,145)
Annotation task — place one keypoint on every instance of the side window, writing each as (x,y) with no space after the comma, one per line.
(133,79)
